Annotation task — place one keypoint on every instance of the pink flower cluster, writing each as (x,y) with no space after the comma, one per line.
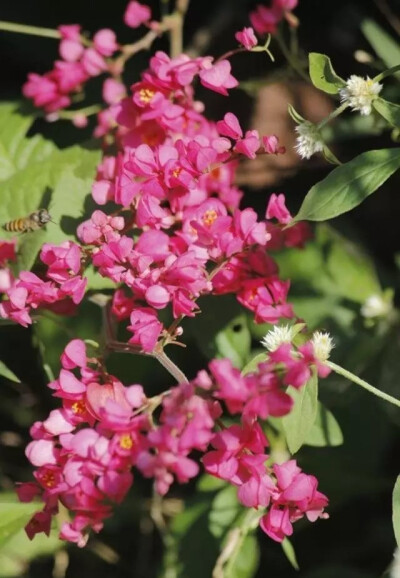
(84,452)
(289,494)
(266,20)
(7,255)
(63,289)
(80,60)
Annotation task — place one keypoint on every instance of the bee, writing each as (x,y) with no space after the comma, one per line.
(32,222)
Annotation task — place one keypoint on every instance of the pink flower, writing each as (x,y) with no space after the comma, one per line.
(136,14)
(93,62)
(248,145)
(276,524)
(74,355)
(230,126)
(40,522)
(105,42)
(113,91)
(145,327)
(271,145)
(218,77)
(7,251)
(247,38)
(276,209)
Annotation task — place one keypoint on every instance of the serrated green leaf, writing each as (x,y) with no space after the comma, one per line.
(298,423)
(289,552)
(384,45)
(325,430)
(396,510)
(5,372)
(13,517)
(322,74)
(348,185)
(389,110)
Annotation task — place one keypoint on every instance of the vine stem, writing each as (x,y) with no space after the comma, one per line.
(27,29)
(159,355)
(170,366)
(176,28)
(333,115)
(227,558)
(386,73)
(355,379)
(292,60)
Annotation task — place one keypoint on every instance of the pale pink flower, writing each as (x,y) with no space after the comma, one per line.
(136,14)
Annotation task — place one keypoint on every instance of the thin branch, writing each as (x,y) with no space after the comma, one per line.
(31,30)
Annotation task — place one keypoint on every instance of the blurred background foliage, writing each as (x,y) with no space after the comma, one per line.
(350,259)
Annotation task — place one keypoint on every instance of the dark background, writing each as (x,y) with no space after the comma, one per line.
(358,539)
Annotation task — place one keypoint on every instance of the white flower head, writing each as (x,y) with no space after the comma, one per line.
(375,306)
(323,345)
(308,141)
(278,335)
(360,93)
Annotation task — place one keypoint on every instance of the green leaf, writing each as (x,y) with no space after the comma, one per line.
(234,341)
(13,517)
(389,110)
(5,372)
(325,430)
(97,282)
(348,185)
(246,560)
(70,194)
(396,510)
(295,115)
(322,74)
(298,423)
(384,45)
(16,151)
(225,509)
(289,552)
(68,173)
(352,271)
(253,363)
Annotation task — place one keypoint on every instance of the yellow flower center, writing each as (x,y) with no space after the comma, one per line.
(209,217)
(145,95)
(126,442)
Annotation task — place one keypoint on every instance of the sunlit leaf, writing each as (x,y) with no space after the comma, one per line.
(348,185)
(5,372)
(322,74)
(389,110)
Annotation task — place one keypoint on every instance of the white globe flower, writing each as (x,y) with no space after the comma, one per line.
(360,93)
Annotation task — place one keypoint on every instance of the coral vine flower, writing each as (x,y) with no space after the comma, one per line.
(218,77)
(136,14)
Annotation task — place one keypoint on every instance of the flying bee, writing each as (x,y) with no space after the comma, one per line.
(32,222)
